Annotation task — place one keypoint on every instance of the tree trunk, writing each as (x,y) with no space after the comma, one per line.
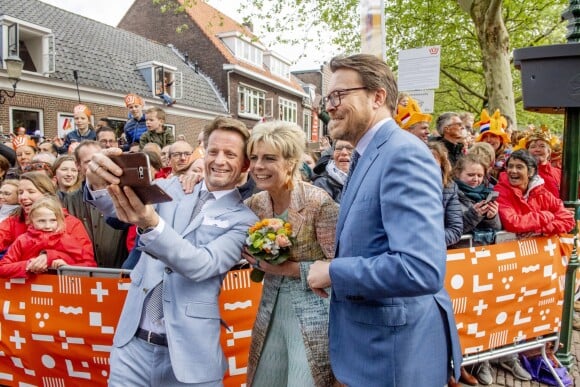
(493,39)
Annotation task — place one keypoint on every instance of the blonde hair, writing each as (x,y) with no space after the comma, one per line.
(285,137)
(484,151)
(51,204)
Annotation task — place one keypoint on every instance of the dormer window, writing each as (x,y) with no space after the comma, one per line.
(243,48)
(33,44)
(277,64)
(164,80)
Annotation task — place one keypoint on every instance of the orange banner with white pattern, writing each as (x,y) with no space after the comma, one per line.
(58,330)
(507,293)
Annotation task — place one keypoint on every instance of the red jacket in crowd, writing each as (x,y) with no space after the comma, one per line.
(14,226)
(552,177)
(56,245)
(539,212)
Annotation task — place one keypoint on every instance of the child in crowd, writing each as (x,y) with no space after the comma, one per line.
(83,129)
(8,198)
(156,131)
(45,245)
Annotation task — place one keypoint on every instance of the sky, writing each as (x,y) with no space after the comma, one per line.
(111,11)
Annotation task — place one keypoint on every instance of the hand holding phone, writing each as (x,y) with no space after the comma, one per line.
(137,174)
(492,196)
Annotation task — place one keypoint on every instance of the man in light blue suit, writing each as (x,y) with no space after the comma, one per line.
(169,330)
(391,321)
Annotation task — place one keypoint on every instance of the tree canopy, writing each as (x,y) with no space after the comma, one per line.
(454,25)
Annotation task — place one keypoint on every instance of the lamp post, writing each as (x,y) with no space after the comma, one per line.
(14,69)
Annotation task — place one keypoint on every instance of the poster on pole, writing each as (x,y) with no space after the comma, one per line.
(419,68)
(373,28)
(425,99)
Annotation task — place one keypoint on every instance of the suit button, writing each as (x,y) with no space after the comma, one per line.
(168,270)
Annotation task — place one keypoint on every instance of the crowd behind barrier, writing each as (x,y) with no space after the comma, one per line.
(507,298)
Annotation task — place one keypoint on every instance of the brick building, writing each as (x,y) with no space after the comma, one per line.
(255,82)
(108,62)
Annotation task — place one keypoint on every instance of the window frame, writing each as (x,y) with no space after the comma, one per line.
(248,97)
(287,110)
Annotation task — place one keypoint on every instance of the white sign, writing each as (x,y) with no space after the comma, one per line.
(425,99)
(373,28)
(419,68)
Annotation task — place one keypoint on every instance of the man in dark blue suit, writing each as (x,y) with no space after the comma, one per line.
(391,321)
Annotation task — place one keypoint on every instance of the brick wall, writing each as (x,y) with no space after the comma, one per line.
(50,108)
(145,19)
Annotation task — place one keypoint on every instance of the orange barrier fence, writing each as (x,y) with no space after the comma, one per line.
(507,293)
(57,330)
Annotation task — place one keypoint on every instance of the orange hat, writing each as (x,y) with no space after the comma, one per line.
(132,99)
(495,124)
(409,115)
(542,133)
(21,140)
(82,109)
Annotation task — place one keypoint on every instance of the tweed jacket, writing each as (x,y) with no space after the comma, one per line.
(313,216)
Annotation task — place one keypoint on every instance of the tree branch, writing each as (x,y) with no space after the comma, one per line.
(463,85)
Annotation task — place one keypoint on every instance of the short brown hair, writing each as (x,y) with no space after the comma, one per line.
(374,73)
(160,112)
(226,123)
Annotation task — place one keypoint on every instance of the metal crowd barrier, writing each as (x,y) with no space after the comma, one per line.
(96,291)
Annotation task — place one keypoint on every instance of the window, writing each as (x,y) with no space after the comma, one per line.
(171,128)
(307,124)
(251,102)
(31,119)
(277,64)
(167,82)
(162,79)
(66,123)
(288,110)
(33,44)
(243,49)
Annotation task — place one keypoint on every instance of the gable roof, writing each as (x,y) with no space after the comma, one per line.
(106,57)
(213,23)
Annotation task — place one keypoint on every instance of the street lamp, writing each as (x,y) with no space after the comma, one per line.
(14,69)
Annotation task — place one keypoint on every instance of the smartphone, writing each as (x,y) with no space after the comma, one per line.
(492,197)
(138,175)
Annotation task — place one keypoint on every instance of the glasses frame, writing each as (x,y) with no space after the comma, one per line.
(178,155)
(338,94)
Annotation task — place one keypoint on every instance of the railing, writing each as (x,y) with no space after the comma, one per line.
(507,298)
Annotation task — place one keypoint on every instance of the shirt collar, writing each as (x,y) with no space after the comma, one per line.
(365,140)
(216,194)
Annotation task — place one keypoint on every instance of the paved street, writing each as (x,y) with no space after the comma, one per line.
(504,378)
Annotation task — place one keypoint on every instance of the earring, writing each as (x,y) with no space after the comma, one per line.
(288,184)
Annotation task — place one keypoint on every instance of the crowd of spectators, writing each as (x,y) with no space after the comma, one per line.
(490,182)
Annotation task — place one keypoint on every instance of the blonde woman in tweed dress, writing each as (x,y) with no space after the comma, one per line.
(290,336)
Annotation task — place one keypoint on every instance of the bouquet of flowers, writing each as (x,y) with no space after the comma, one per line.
(269,240)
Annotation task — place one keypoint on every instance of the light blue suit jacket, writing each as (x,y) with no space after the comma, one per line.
(191,259)
(391,322)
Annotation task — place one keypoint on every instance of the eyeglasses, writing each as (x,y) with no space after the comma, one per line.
(455,124)
(178,155)
(334,98)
